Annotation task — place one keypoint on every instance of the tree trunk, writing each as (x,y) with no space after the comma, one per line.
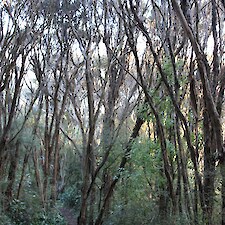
(183,168)
(38,179)
(222,171)
(209,169)
(25,161)
(87,160)
(12,174)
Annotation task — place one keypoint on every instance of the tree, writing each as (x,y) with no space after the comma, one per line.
(132,90)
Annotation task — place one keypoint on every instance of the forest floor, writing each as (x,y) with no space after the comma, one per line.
(68,216)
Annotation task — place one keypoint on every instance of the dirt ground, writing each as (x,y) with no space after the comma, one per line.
(68,215)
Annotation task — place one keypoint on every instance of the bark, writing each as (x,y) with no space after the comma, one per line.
(116,79)
(87,160)
(222,171)
(56,139)
(216,63)
(223,3)
(25,161)
(211,116)
(178,189)
(163,204)
(93,192)
(56,167)
(209,169)
(39,179)
(5,137)
(47,150)
(183,168)
(12,173)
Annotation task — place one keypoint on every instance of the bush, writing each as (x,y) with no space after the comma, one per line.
(4,219)
(24,214)
(71,197)
(132,213)
(49,218)
(18,212)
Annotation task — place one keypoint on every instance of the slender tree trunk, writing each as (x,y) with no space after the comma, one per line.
(93,191)
(12,174)
(56,168)
(163,201)
(25,161)
(209,169)
(212,116)
(178,189)
(82,219)
(38,179)
(183,168)
(56,138)
(222,171)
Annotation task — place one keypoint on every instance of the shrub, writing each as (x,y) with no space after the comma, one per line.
(71,197)
(21,213)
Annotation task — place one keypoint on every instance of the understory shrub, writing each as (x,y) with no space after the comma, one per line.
(71,197)
(20,213)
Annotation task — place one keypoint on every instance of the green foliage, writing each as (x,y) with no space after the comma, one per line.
(21,213)
(5,219)
(142,182)
(134,201)
(164,108)
(51,217)
(140,212)
(18,211)
(143,213)
(143,111)
(72,194)
(147,160)
(168,69)
(71,197)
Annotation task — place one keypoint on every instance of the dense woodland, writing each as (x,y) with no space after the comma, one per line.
(114,109)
